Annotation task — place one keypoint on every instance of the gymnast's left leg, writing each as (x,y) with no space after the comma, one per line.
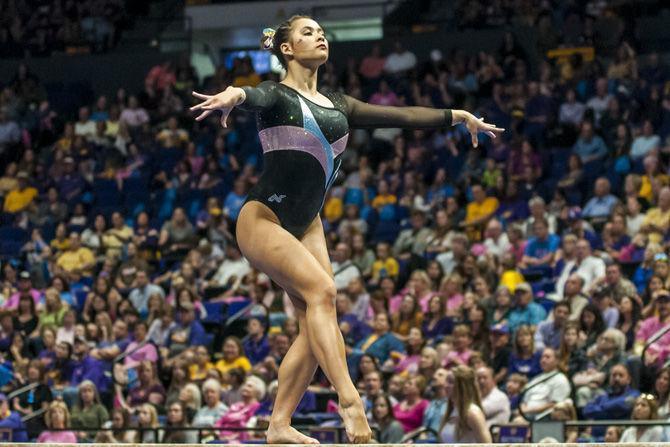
(295,374)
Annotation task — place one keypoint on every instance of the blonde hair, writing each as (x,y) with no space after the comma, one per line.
(465,393)
(57,405)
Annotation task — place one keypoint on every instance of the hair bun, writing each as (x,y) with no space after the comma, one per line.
(267,41)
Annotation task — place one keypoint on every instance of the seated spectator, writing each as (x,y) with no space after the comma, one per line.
(189,331)
(591,325)
(461,352)
(11,420)
(344,270)
(608,351)
(618,400)
(139,295)
(140,349)
(602,204)
(525,312)
(409,412)
(202,364)
(88,412)
(495,240)
(499,351)
(148,389)
(233,356)
(411,243)
(645,143)
(256,346)
(478,212)
(645,409)
(147,419)
(177,234)
(524,359)
(381,343)
(658,352)
(437,406)
(657,220)
(240,413)
(177,417)
(571,356)
(22,196)
(390,430)
(542,247)
(590,268)
(58,418)
(385,265)
(547,389)
(549,332)
(495,403)
(77,260)
(589,147)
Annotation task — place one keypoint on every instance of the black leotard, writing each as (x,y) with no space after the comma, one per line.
(303,143)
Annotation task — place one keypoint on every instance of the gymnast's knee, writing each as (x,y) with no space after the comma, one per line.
(323,296)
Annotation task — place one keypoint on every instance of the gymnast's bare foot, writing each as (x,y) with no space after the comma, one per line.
(356,423)
(287,435)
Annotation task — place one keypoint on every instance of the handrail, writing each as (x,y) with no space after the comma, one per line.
(22,390)
(34,414)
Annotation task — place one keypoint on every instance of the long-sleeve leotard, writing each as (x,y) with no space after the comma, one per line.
(303,143)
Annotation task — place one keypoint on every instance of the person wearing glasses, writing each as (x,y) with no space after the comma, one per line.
(645,409)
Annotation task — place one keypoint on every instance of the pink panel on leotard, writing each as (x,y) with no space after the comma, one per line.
(340,145)
(293,138)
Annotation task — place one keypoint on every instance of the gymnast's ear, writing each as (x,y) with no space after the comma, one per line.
(286,49)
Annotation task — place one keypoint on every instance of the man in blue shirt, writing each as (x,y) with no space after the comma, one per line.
(541,248)
(256,345)
(549,333)
(525,311)
(618,401)
(602,204)
(589,147)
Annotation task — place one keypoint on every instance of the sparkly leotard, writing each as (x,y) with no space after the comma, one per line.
(303,142)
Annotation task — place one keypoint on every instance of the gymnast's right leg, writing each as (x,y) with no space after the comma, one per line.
(273,250)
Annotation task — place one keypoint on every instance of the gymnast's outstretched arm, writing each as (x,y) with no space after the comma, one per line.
(364,115)
(253,99)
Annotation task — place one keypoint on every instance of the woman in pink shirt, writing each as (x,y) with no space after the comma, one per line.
(409,412)
(239,413)
(58,418)
(451,290)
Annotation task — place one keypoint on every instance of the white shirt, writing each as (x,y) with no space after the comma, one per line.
(84,129)
(498,247)
(652,434)
(496,408)
(344,273)
(556,389)
(591,269)
(230,268)
(396,63)
(599,105)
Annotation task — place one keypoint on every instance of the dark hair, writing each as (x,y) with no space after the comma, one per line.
(389,416)
(272,42)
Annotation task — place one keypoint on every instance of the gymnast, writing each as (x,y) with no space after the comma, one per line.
(303,134)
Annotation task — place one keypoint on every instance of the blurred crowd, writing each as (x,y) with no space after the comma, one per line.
(43,27)
(527,278)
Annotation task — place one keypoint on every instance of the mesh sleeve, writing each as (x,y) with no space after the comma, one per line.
(363,115)
(259,98)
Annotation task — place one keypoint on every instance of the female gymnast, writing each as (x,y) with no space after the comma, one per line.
(303,134)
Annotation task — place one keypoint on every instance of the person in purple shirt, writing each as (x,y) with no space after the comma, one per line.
(71,184)
(12,420)
(189,331)
(256,345)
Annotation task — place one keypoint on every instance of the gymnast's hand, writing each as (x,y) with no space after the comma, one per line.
(224,101)
(475,125)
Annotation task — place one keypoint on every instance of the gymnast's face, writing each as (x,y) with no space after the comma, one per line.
(307,44)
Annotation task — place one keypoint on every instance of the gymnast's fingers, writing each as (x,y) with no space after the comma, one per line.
(224,117)
(201,105)
(475,140)
(490,134)
(204,115)
(200,95)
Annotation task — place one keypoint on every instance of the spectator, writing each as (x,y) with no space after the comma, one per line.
(344,269)
(525,312)
(547,389)
(549,333)
(479,211)
(177,417)
(409,412)
(541,249)
(11,420)
(400,61)
(658,352)
(617,402)
(233,356)
(256,345)
(603,203)
(21,197)
(600,101)
(412,242)
(524,359)
(590,268)
(390,430)
(645,409)
(381,343)
(589,147)
(646,143)
(239,413)
(495,403)
(58,418)
(88,412)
